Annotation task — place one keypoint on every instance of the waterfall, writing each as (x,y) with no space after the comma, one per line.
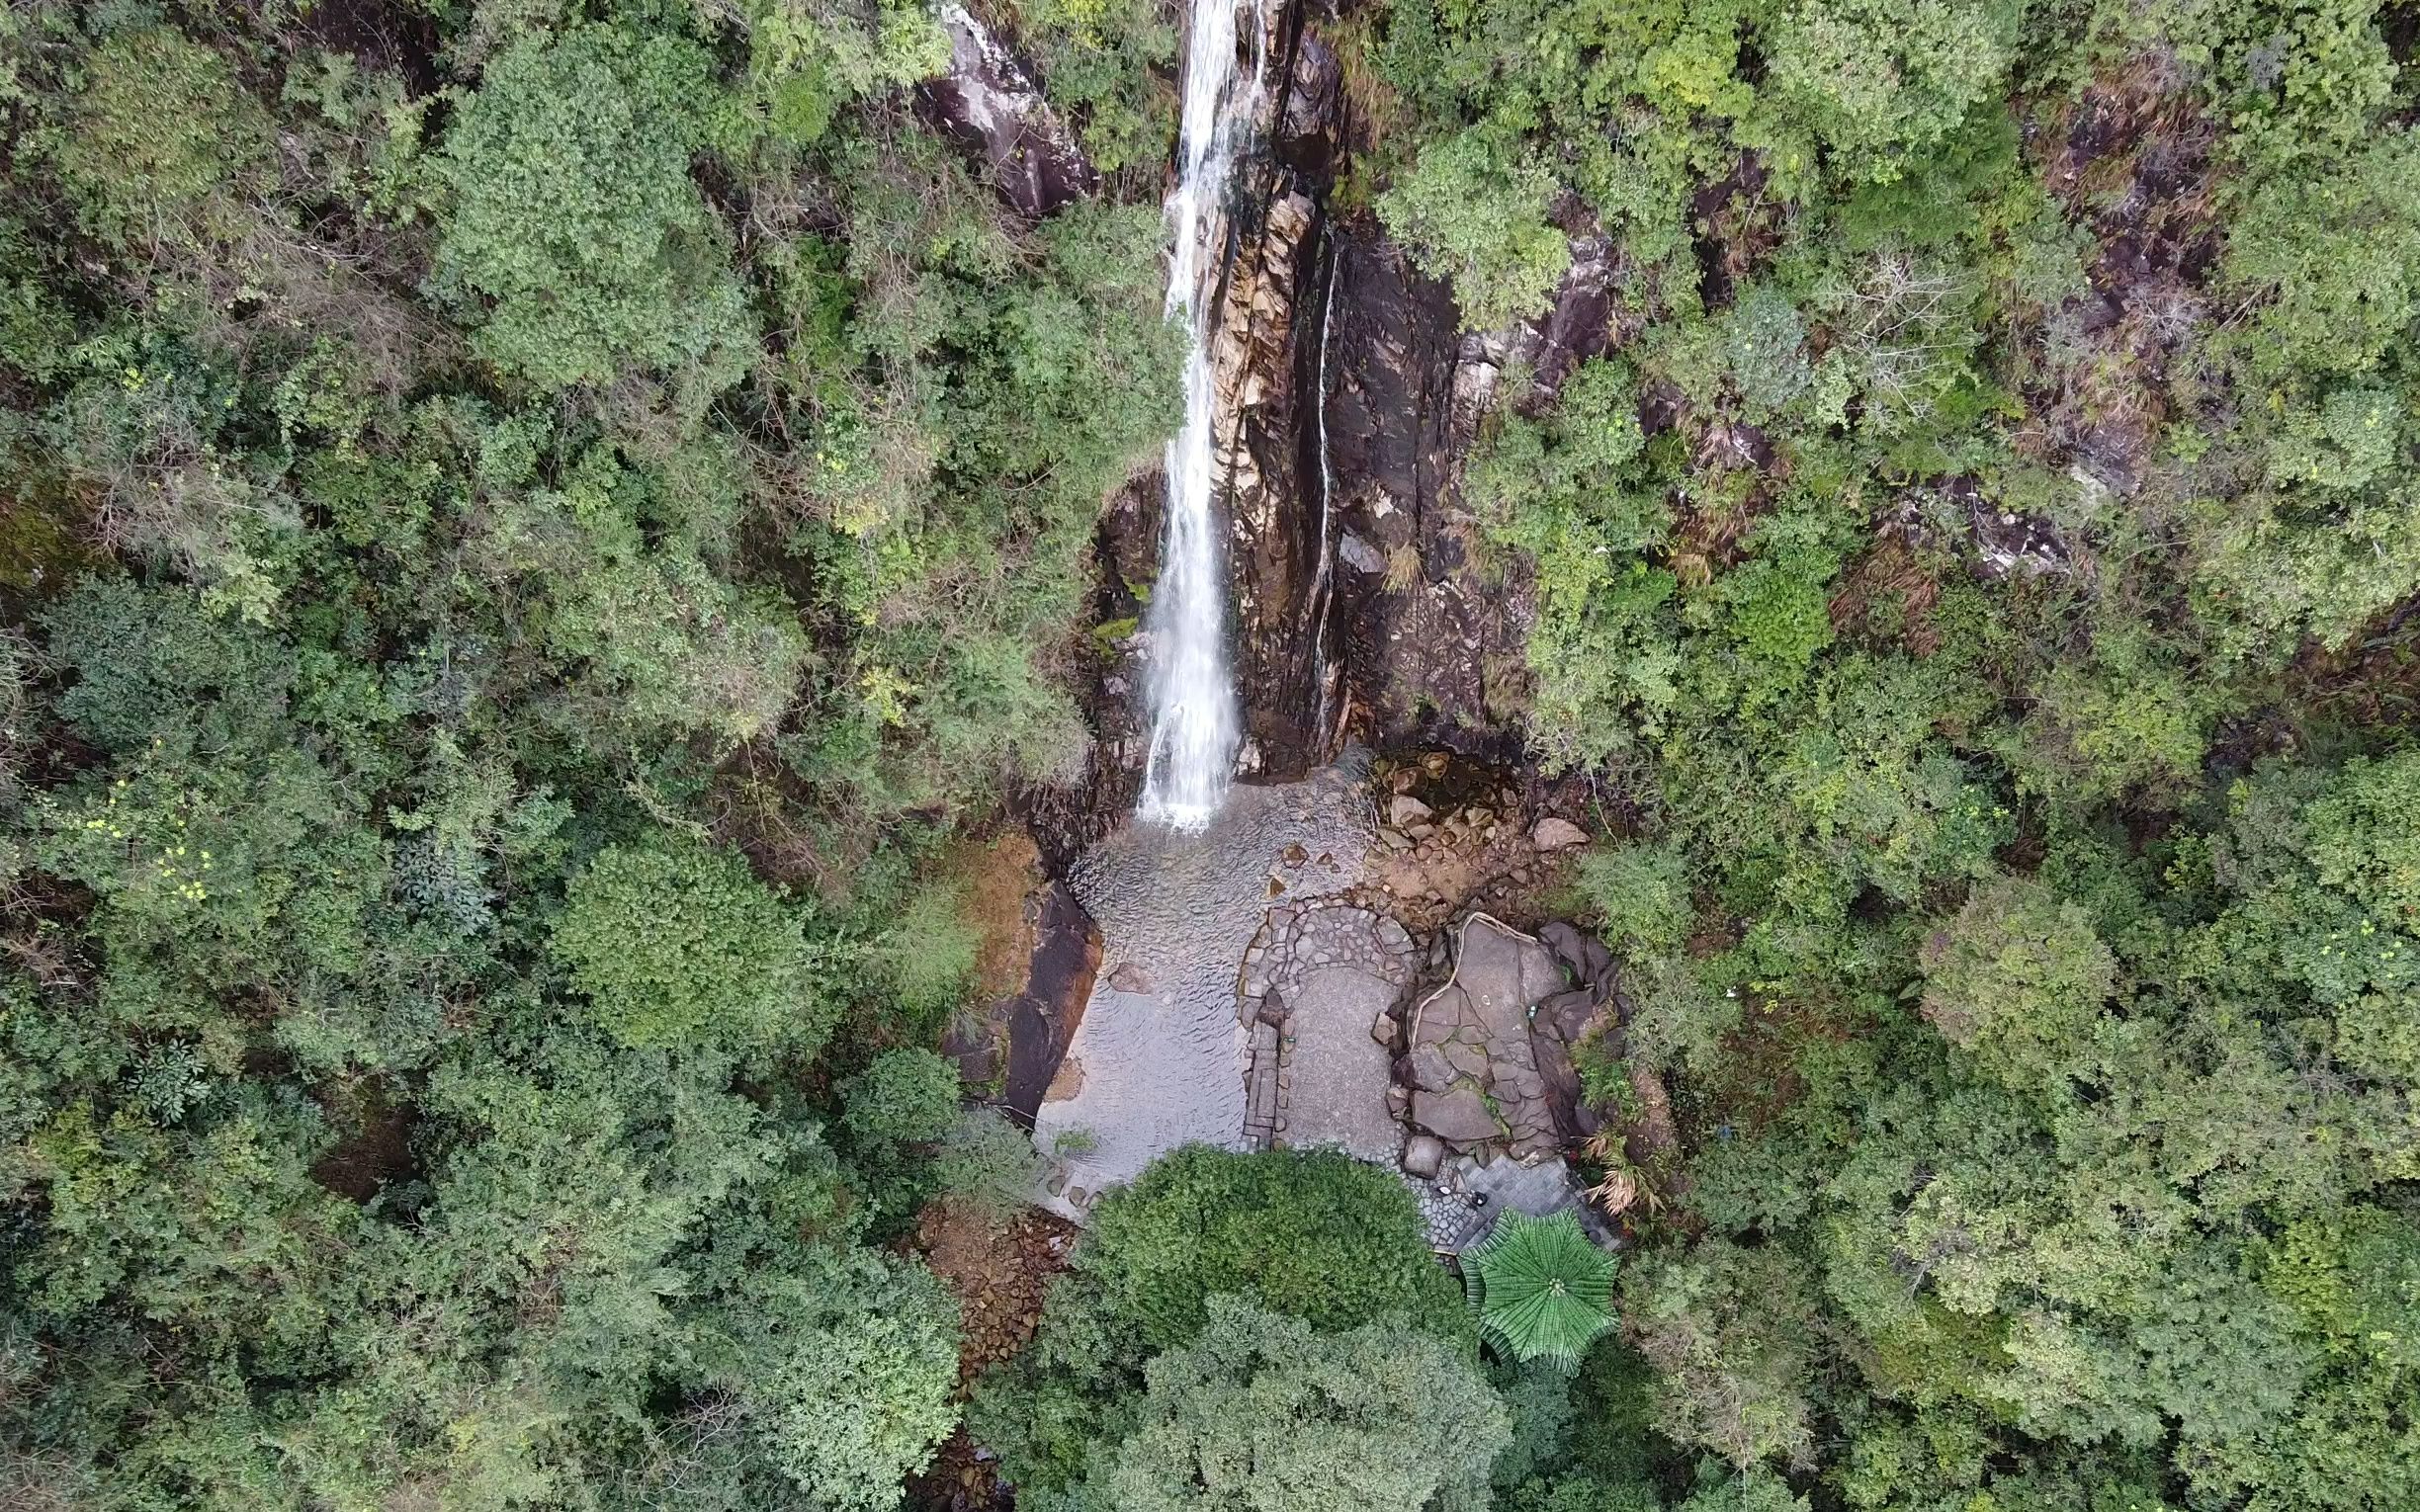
(1195,727)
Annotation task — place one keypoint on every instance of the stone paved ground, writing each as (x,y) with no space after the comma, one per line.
(1315,980)
(1159,1058)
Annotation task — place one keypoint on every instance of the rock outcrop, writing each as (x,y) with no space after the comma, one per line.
(1271,370)
(1474,1079)
(1430,647)
(1487,1056)
(1044,1015)
(987,102)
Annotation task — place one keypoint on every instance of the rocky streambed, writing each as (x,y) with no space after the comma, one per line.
(1319,969)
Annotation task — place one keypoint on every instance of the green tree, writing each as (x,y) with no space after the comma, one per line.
(2019,979)
(1880,84)
(907,1096)
(1473,212)
(572,236)
(674,944)
(1261,1411)
(1309,1234)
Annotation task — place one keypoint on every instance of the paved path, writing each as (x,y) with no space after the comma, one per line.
(1334,970)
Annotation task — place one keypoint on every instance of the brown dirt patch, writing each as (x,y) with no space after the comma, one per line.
(376,1152)
(1886,595)
(997,874)
(1000,1270)
(1430,871)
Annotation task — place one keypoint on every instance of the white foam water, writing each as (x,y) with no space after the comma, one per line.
(1195,725)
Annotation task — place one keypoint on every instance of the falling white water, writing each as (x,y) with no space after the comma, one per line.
(1194,724)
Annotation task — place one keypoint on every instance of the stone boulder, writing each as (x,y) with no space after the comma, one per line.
(987,102)
(1557,834)
(1459,1116)
(1472,1036)
(1506,1025)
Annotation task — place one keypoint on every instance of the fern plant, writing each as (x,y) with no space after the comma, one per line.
(1540,1290)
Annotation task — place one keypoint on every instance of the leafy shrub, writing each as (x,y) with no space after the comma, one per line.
(2364,835)
(1641,893)
(674,942)
(575,238)
(1475,214)
(907,1096)
(925,959)
(1768,360)
(1542,1292)
(987,1160)
(1309,1232)
(2018,978)
(160,131)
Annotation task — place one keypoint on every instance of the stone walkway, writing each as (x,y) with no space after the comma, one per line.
(1159,1056)
(1315,981)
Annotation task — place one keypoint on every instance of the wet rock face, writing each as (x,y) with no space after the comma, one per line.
(1269,371)
(1430,643)
(1043,1016)
(1432,629)
(1272,509)
(989,102)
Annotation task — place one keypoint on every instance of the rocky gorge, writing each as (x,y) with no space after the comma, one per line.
(1364,606)
(1353,952)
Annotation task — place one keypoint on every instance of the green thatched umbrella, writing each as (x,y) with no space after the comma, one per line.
(1542,1289)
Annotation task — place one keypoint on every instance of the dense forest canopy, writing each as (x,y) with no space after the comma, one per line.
(531,531)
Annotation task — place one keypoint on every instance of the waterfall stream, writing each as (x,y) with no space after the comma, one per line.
(1195,727)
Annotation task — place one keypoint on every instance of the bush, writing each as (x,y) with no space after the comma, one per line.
(1641,895)
(1307,1233)
(989,1161)
(575,237)
(907,1096)
(1261,1411)
(160,131)
(675,943)
(1475,215)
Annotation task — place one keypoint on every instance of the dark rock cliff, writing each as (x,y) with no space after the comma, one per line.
(1364,601)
